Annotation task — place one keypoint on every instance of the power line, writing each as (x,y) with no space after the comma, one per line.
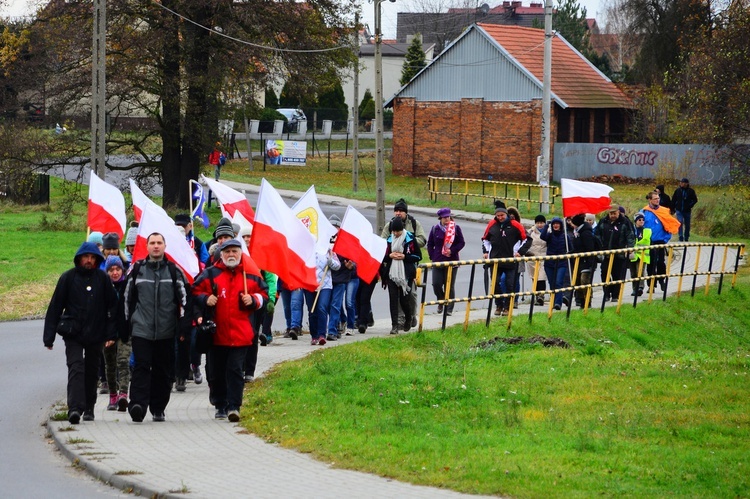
(263,47)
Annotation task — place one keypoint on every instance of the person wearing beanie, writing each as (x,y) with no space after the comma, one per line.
(683,201)
(117,355)
(96,238)
(111,247)
(82,311)
(640,258)
(558,243)
(538,248)
(223,232)
(130,239)
(411,224)
(614,231)
(584,241)
(501,240)
(398,272)
(444,243)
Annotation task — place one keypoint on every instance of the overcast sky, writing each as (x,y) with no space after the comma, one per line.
(389,10)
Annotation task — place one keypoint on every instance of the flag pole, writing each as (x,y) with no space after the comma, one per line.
(317,293)
(190,196)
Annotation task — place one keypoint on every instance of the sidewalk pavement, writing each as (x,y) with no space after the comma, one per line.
(193,453)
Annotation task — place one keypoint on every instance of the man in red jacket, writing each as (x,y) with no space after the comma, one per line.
(228,293)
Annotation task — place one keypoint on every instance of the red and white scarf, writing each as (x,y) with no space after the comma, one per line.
(450,235)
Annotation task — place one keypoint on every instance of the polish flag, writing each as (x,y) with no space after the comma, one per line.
(357,242)
(140,201)
(178,250)
(308,211)
(281,243)
(106,207)
(230,200)
(584,197)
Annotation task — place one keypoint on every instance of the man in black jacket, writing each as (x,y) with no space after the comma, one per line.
(614,231)
(82,310)
(683,200)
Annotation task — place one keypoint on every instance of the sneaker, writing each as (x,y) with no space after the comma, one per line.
(321,341)
(370,321)
(440,309)
(449,313)
(136,413)
(615,299)
(249,378)
(332,337)
(113,398)
(504,311)
(74,417)
(197,375)
(349,332)
(342,327)
(159,417)
(220,414)
(663,284)
(233,416)
(88,415)
(269,337)
(314,341)
(263,340)
(104,388)
(122,402)
(408,324)
(413,322)
(180,385)
(362,328)
(287,333)
(294,333)
(540,301)
(394,330)
(557,307)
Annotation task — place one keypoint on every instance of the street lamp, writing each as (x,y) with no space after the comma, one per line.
(379,168)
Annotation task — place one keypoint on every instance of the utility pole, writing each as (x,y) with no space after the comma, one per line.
(98,88)
(379,146)
(355,110)
(543,173)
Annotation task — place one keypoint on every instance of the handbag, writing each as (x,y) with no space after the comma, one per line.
(66,326)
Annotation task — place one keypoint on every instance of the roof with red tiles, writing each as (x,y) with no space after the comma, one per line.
(574,79)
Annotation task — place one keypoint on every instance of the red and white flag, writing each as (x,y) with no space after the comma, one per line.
(280,243)
(230,200)
(140,201)
(178,250)
(584,197)
(106,207)
(308,211)
(357,242)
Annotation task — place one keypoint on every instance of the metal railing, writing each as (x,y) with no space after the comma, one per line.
(677,268)
(518,192)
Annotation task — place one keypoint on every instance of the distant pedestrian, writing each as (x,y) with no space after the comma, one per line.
(662,225)
(117,355)
(641,258)
(398,272)
(558,244)
(614,232)
(216,159)
(321,299)
(234,289)
(538,248)
(584,241)
(664,199)
(157,304)
(444,243)
(82,312)
(683,201)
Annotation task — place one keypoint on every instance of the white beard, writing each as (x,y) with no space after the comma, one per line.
(230,262)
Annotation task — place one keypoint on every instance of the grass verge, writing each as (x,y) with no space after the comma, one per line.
(652,402)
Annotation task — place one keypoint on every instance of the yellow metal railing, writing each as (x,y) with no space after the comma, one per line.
(514,192)
(676,253)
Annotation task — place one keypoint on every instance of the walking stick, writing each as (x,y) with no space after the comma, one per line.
(317,293)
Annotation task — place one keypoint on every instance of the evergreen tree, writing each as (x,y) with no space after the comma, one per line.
(569,19)
(287,99)
(332,104)
(415,60)
(271,100)
(366,99)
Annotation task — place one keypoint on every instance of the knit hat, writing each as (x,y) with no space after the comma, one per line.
(578,220)
(335,220)
(639,216)
(500,209)
(224,228)
(95,237)
(540,218)
(132,235)
(235,229)
(684,179)
(397,225)
(621,209)
(113,261)
(499,204)
(110,240)
(444,212)
(246,230)
(401,206)
(182,219)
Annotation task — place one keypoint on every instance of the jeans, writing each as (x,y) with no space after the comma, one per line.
(227,380)
(684,218)
(151,381)
(83,374)
(296,300)
(557,275)
(337,299)
(439,279)
(510,277)
(351,303)
(318,317)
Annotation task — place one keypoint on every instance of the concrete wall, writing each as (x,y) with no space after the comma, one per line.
(702,164)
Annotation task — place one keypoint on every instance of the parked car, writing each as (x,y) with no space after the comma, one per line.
(293,117)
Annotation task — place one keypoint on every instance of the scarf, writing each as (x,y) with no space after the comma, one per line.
(450,235)
(397,273)
(670,223)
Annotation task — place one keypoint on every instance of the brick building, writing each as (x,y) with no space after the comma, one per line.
(475,110)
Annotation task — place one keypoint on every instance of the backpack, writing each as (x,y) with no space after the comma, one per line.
(222,159)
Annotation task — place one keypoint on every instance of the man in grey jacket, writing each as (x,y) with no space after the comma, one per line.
(156,308)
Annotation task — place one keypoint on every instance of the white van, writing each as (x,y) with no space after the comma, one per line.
(293,117)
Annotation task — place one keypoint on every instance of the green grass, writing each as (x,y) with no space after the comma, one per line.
(649,403)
